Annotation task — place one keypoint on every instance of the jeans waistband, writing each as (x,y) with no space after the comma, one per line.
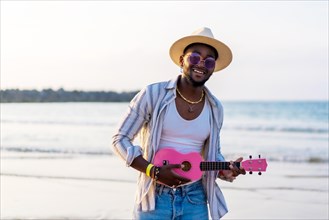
(160,188)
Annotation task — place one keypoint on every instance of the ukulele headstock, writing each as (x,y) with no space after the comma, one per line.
(259,165)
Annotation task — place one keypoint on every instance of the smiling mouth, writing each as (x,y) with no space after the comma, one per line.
(199,71)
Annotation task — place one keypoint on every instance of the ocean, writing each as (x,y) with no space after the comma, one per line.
(279,131)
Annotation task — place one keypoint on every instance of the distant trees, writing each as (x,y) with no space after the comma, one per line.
(60,95)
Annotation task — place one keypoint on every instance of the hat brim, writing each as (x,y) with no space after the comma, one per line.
(225,55)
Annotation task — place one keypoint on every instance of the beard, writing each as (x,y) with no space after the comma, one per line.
(193,82)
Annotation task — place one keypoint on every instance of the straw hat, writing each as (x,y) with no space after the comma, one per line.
(205,36)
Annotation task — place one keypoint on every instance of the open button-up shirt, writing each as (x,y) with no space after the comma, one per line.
(145,117)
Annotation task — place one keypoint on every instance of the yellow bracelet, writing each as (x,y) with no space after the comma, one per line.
(148,169)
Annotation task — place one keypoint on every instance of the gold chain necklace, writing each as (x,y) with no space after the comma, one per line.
(189,101)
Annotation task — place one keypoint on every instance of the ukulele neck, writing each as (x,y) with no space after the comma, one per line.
(208,166)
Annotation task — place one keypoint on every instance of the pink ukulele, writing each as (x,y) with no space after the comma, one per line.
(194,165)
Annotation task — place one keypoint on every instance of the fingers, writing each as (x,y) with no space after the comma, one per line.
(172,166)
(227,176)
(181,179)
(178,183)
(170,178)
(242,171)
(176,166)
(230,177)
(239,159)
(236,171)
(233,167)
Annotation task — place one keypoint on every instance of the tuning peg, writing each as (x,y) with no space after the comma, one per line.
(259,173)
(250,172)
(259,156)
(250,156)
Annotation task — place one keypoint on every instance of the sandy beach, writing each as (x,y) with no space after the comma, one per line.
(44,186)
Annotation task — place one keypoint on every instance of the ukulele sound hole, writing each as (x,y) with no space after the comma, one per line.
(187,166)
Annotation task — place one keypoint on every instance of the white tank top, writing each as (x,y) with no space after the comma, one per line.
(183,135)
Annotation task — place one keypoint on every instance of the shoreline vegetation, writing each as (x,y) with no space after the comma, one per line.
(61,95)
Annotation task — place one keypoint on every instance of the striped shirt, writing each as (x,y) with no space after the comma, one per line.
(145,117)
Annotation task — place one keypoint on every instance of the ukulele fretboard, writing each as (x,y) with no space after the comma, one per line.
(207,166)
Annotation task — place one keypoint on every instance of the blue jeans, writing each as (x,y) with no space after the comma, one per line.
(183,203)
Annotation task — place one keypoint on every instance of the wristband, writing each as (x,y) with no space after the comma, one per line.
(148,169)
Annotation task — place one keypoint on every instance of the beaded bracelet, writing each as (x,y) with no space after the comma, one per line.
(156,172)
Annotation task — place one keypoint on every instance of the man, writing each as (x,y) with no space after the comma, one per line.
(183,115)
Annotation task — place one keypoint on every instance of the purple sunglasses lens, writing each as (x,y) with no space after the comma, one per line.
(209,63)
(194,58)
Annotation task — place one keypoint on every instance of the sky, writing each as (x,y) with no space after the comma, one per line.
(280,48)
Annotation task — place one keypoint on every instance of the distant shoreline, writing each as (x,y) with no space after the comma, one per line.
(64,96)
(61,95)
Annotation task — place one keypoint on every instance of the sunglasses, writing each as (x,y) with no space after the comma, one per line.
(195,59)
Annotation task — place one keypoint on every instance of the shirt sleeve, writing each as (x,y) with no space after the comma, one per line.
(220,156)
(133,121)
